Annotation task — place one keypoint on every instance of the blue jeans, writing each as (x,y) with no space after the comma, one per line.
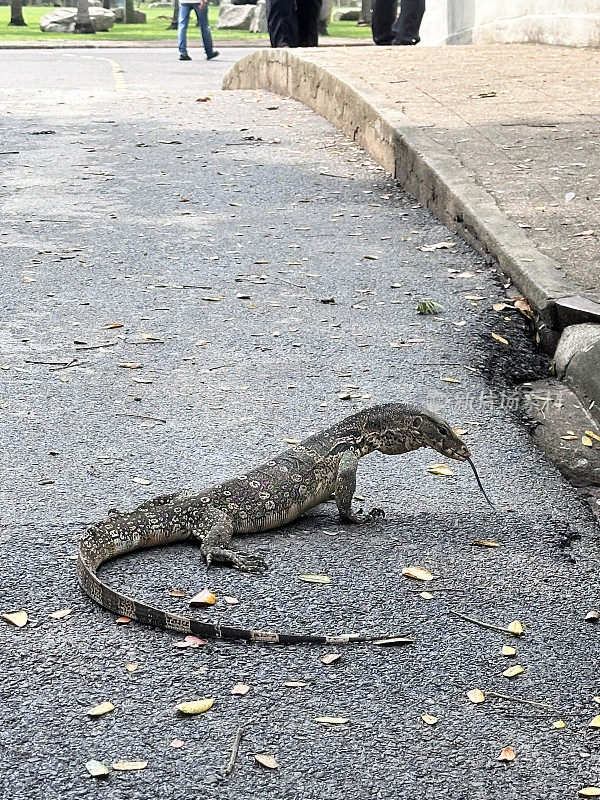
(185,9)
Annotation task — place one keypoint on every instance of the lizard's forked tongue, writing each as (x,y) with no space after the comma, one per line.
(479,482)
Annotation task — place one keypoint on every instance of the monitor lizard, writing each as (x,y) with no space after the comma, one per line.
(321,467)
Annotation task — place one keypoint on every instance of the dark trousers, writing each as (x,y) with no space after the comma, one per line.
(404,30)
(293,23)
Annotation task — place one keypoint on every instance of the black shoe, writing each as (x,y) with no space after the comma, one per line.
(214,54)
(184,57)
(416,40)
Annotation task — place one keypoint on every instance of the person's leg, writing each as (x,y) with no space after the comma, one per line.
(182,26)
(406,27)
(382,19)
(308,22)
(202,14)
(282,21)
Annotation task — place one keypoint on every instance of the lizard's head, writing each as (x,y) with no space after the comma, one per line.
(432,431)
(404,428)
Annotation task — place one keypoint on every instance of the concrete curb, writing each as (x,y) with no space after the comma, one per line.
(66,44)
(433,176)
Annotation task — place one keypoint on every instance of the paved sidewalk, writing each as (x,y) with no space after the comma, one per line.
(500,142)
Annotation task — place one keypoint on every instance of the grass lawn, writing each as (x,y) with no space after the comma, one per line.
(154,29)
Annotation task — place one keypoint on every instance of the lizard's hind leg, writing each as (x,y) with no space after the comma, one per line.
(215,549)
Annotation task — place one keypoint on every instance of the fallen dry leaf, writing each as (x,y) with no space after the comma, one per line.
(515,627)
(64,612)
(429,248)
(266,760)
(196,706)
(486,543)
(100,709)
(16,618)
(429,719)
(332,720)
(189,641)
(507,754)
(315,578)
(507,650)
(589,791)
(123,620)
(513,671)
(440,469)
(176,743)
(499,338)
(203,598)
(586,441)
(418,573)
(131,365)
(595,723)
(240,689)
(231,601)
(96,768)
(129,766)
(131,666)
(476,696)
(559,724)
(295,684)
(592,435)
(330,658)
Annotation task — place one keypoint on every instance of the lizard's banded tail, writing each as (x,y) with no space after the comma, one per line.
(125,533)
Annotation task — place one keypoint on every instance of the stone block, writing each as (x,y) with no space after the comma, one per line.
(238,18)
(62,20)
(345,13)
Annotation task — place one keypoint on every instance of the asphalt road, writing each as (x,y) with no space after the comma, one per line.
(186,283)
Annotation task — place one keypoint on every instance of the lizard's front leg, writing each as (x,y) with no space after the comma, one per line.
(215,548)
(345,486)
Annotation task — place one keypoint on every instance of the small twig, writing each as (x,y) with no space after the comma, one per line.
(73,363)
(97,346)
(520,700)
(236,747)
(51,363)
(483,624)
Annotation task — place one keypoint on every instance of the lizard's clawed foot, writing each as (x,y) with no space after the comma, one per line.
(375,513)
(361,518)
(242,561)
(248,563)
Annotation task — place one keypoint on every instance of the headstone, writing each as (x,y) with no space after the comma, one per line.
(62,20)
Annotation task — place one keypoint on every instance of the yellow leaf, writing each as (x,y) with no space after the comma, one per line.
(569,437)
(99,710)
(440,469)
(315,578)
(128,766)
(499,306)
(486,543)
(426,595)
(593,435)
(131,365)
(371,257)
(131,666)
(558,724)
(595,723)
(589,791)
(515,627)
(511,672)
(16,618)
(418,573)
(266,760)
(450,380)
(586,441)
(507,754)
(61,614)
(196,706)
(429,719)
(507,650)
(332,720)
(203,598)
(499,338)
(476,696)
